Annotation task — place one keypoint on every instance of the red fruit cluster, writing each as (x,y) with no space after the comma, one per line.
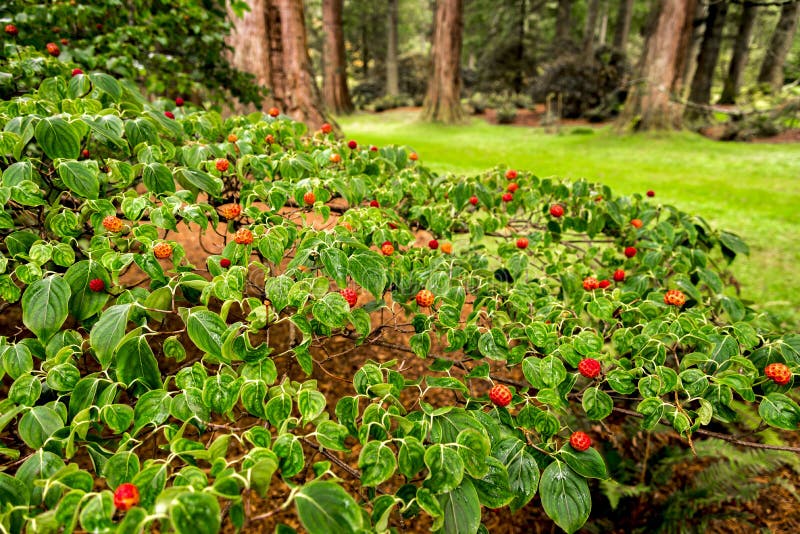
(75,72)
(580,441)
(352,144)
(112,223)
(512,187)
(232,138)
(222,165)
(274,112)
(778,373)
(97,285)
(511,174)
(424,298)
(590,283)
(556,210)
(500,395)
(433,244)
(309,198)
(224,263)
(522,243)
(603,284)
(243,236)
(269,139)
(630,252)
(619,275)
(507,197)
(636,223)
(53,49)
(230,211)
(387,249)
(674,297)
(162,250)
(126,496)
(374,204)
(169,114)
(349,295)
(11,30)
(179,101)
(473,200)
(589,367)
(326,128)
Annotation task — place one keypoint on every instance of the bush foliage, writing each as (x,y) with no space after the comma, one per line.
(189,374)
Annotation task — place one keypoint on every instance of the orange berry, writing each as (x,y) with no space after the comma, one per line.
(636,223)
(274,112)
(232,138)
(222,165)
(243,236)
(424,298)
(162,250)
(387,249)
(230,211)
(500,395)
(447,248)
(309,198)
(674,297)
(335,158)
(112,223)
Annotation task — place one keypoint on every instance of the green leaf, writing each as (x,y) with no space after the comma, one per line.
(58,138)
(81,177)
(336,265)
(205,329)
(368,269)
(565,496)
(474,448)
(158,178)
(311,404)
(97,512)
(332,435)
(152,408)
(332,311)
(108,331)
(195,513)
(45,306)
(461,509)
(586,463)
(135,362)
(493,344)
(202,181)
(523,471)
(325,508)
(411,457)
(38,424)
(445,466)
(84,302)
(494,488)
(107,84)
(778,410)
(597,403)
(377,463)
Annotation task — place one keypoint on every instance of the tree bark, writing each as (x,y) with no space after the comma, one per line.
(248,39)
(741,51)
(593,11)
(334,75)
(563,21)
(622,26)
(649,106)
(700,92)
(520,46)
(443,100)
(772,67)
(392,76)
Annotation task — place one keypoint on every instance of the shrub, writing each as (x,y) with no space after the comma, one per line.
(204,379)
(506,113)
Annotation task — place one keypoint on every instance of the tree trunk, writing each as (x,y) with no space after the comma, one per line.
(593,11)
(248,41)
(648,106)
(603,31)
(334,75)
(392,76)
(622,26)
(700,92)
(741,51)
(772,67)
(688,47)
(563,21)
(520,46)
(443,100)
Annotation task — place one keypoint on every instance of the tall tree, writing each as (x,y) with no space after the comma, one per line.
(392,76)
(334,75)
(741,51)
(649,106)
(592,13)
(270,42)
(563,24)
(623,24)
(700,93)
(443,100)
(772,67)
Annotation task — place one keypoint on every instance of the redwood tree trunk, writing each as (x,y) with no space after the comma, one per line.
(248,39)
(649,106)
(334,87)
(563,21)
(623,24)
(593,11)
(700,93)
(392,76)
(443,100)
(772,67)
(741,51)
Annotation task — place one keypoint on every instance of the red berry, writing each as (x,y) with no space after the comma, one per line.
(500,395)
(447,248)
(589,367)
(619,275)
(387,249)
(326,128)
(53,49)
(350,296)
(169,115)
(274,112)
(335,158)
(126,496)
(433,244)
(64,41)
(590,283)
(580,441)
(424,298)
(636,223)
(393,226)
(511,174)
(651,193)
(603,284)
(309,198)
(112,223)
(179,101)
(556,210)
(224,263)
(162,250)
(373,148)
(512,187)
(507,197)
(473,200)
(222,164)
(778,373)
(85,153)
(11,30)
(413,156)
(75,72)
(630,252)
(232,138)
(674,297)
(270,139)
(243,236)
(374,204)
(230,211)
(97,285)
(522,243)
(352,144)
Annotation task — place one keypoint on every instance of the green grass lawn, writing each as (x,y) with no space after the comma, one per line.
(750,189)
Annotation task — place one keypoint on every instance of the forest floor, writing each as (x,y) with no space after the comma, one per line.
(752,189)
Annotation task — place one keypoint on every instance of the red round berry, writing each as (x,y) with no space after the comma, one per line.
(590,283)
(243,236)
(674,297)
(387,249)
(636,223)
(11,30)
(507,197)
(179,101)
(413,156)
(350,296)
(589,367)
(522,243)
(222,164)
(224,263)
(352,144)
(85,153)
(75,72)
(473,200)
(511,174)
(580,441)
(500,395)
(424,298)
(274,112)
(630,252)
(556,210)
(309,198)
(603,284)
(433,244)
(651,193)
(326,128)
(372,148)
(112,223)
(512,187)
(778,373)
(374,204)
(97,285)
(126,496)
(619,275)
(53,49)
(169,114)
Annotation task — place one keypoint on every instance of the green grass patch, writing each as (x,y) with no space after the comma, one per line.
(750,189)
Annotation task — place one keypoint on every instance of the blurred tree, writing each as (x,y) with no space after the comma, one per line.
(392,68)
(563,23)
(443,100)
(334,70)
(592,14)
(700,93)
(740,55)
(772,67)
(622,25)
(649,105)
